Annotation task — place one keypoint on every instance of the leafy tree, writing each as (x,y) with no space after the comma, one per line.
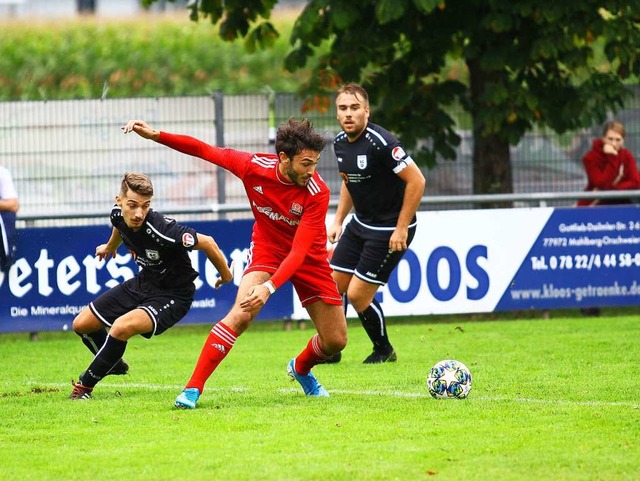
(529,63)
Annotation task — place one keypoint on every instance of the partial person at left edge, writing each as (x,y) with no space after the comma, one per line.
(153,300)
(9,206)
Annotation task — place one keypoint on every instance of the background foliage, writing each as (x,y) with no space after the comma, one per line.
(530,64)
(143,57)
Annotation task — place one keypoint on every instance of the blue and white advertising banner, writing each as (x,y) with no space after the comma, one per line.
(56,274)
(511,259)
(459,262)
(582,257)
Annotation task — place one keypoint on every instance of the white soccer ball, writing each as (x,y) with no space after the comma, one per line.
(449,379)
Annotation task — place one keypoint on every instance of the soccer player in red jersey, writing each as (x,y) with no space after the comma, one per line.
(289,201)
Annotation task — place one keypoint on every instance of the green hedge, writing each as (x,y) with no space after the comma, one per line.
(143,57)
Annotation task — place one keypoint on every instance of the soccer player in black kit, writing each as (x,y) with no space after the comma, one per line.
(153,300)
(384,187)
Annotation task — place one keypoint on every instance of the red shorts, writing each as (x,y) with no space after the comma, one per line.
(312,280)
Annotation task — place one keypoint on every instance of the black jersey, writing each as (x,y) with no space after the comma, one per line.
(369,168)
(160,247)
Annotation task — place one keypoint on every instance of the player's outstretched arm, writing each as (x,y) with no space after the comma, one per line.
(345,204)
(414,190)
(141,128)
(257,296)
(215,255)
(104,251)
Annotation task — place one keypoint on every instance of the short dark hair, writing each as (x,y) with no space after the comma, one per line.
(138,183)
(356,90)
(294,136)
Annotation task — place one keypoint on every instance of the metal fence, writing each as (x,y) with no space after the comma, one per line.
(67,156)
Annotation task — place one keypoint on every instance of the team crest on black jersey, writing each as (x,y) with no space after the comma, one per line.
(362,162)
(188,240)
(296,209)
(398,153)
(152,255)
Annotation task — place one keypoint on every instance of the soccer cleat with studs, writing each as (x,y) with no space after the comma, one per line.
(80,391)
(188,398)
(379,358)
(309,383)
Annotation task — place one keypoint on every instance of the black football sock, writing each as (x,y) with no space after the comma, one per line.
(94,340)
(374,324)
(345,303)
(107,357)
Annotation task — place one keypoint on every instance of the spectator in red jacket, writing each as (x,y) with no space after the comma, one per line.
(610,166)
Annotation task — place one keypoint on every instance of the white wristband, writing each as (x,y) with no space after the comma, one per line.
(269,285)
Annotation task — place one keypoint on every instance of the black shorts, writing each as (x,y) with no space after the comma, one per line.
(364,252)
(165,307)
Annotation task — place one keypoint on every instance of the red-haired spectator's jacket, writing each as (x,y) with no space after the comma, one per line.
(603,169)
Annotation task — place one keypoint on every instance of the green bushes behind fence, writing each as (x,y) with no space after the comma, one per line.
(148,56)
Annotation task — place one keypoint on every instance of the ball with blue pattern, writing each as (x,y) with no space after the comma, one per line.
(449,379)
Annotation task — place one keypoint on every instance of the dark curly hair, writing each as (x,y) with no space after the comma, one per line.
(294,136)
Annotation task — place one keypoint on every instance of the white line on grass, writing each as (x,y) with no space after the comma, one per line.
(366,392)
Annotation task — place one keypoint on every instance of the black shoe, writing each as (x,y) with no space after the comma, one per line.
(379,358)
(335,359)
(120,369)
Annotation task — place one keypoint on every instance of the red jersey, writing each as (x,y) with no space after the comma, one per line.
(289,219)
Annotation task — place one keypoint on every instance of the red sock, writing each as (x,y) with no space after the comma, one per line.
(215,349)
(310,356)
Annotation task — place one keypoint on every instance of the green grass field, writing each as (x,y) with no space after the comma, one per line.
(551,399)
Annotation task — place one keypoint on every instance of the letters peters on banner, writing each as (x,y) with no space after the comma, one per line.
(56,275)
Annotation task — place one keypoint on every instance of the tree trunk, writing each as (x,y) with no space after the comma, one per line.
(491,158)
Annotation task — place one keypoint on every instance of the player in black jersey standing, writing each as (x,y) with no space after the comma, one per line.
(157,297)
(384,186)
